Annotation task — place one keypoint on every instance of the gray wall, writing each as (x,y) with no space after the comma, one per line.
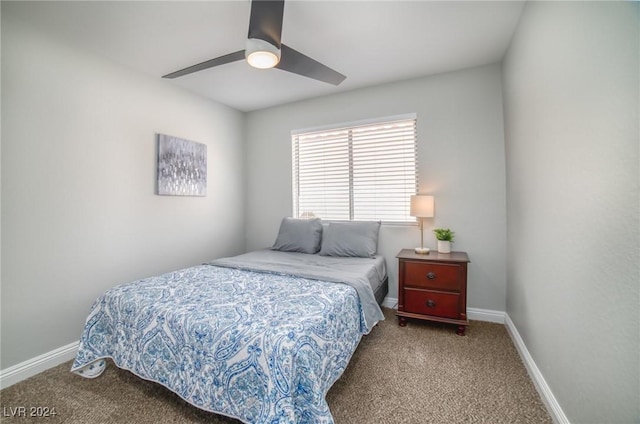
(571,88)
(461,162)
(79,213)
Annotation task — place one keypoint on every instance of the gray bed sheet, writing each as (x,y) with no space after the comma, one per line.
(366,275)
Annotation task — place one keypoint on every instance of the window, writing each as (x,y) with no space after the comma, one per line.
(361,172)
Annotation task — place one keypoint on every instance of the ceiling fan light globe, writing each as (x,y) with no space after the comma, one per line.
(262,60)
(261,54)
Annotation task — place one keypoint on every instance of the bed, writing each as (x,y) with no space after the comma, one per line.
(260,337)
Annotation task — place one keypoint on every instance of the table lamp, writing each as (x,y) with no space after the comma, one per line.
(421,207)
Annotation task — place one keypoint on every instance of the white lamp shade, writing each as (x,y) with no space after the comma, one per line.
(422,206)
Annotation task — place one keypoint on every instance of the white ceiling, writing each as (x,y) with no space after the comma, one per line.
(371,42)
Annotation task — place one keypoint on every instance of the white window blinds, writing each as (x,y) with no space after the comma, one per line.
(361,173)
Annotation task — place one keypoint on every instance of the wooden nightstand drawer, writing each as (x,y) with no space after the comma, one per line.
(434,303)
(432,276)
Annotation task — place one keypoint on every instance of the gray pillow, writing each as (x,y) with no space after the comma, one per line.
(358,239)
(299,235)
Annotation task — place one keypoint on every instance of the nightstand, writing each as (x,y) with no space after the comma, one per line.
(433,287)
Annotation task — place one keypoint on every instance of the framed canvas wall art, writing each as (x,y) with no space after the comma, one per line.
(182,167)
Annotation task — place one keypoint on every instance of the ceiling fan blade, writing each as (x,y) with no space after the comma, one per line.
(228,58)
(265,21)
(295,62)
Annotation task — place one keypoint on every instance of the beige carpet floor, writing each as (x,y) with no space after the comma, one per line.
(421,373)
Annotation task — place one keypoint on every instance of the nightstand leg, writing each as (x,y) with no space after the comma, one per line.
(402,321)
(461,330)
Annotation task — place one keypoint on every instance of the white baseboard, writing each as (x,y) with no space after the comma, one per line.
(553,407)
(487,315)
(390,302)
(33,366)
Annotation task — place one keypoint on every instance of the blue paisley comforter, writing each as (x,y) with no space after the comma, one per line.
(257,346)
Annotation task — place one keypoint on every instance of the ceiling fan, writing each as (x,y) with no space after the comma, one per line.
(264,48)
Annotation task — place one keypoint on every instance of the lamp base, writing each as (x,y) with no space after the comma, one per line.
(421,250)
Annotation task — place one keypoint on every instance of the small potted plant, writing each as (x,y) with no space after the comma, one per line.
(445,238)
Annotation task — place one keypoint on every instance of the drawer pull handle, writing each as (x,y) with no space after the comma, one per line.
(431,304)
(431,276)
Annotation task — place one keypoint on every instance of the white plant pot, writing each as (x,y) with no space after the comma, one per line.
(444,246)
